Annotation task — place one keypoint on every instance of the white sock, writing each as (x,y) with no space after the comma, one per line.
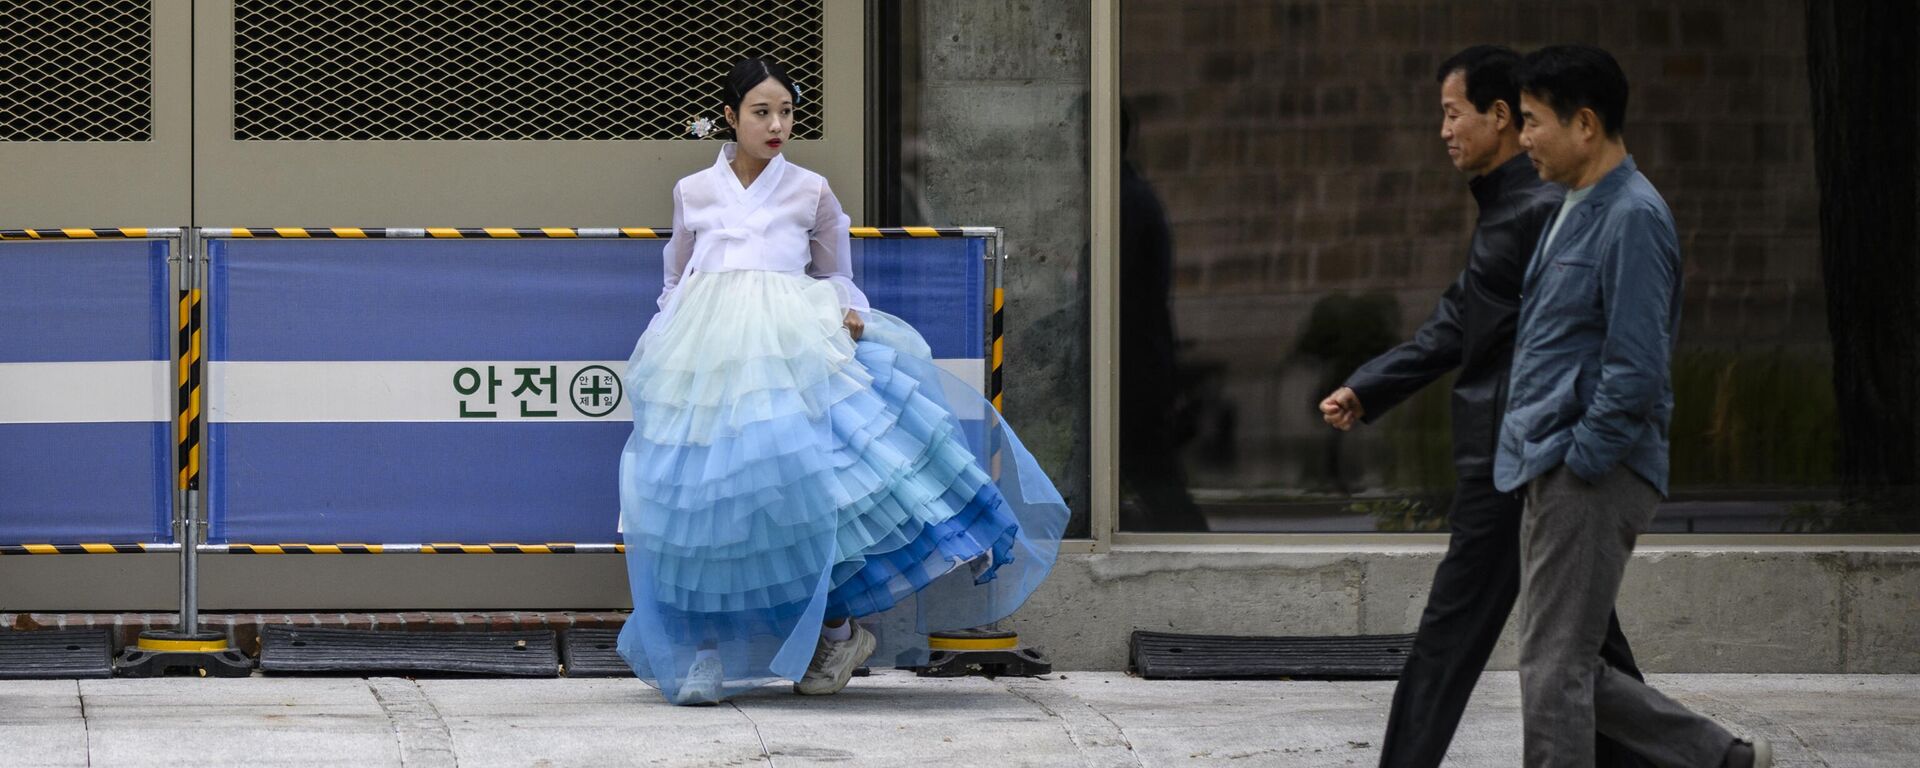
(839,634)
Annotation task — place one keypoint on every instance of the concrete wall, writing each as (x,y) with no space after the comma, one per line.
(999,129)
(1751,610)
(1686,609)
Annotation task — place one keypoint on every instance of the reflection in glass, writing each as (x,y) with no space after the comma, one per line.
(1291,153)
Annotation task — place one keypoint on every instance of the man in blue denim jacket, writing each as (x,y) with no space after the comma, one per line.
(1585,432)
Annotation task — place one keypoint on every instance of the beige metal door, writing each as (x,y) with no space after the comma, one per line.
(95,114)
(337,113)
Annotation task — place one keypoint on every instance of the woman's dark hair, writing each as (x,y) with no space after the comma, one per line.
(1575,77)
(749,73)
(1489,73)
(746,75)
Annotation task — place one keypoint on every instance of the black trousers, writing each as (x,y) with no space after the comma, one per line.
(1473,591)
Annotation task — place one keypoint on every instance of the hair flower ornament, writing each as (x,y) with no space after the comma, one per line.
(701,128)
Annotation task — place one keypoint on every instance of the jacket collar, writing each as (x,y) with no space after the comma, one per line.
(762,185)
(1580,216)
(1614,180)
(1490,186)
(1598,195)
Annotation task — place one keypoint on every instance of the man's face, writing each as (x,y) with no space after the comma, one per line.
(1555,147)
(1472,137)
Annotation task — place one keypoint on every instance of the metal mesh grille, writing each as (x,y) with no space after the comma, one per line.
(76,71)
(363,70)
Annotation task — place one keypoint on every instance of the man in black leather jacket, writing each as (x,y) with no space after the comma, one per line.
(1471,330)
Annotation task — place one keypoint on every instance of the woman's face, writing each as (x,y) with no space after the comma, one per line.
(764,120)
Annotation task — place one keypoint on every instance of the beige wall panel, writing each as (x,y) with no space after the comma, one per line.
(480,183)
(52,184)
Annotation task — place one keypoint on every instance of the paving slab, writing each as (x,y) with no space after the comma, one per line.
(1815,720)
(586,722)
(42,723)
(1092,719)
(895,718)
(244,721)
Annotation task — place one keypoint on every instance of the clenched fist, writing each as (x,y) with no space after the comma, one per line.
(1342,409)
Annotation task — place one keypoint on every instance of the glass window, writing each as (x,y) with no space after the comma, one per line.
(1288,212)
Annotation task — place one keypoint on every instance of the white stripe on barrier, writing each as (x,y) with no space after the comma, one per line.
(86,393)
(481,392)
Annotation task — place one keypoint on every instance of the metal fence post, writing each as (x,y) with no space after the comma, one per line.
(186,647)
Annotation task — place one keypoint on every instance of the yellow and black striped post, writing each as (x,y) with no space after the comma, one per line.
(996,350)
(188,429)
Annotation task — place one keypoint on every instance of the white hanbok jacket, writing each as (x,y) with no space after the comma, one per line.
(787,221)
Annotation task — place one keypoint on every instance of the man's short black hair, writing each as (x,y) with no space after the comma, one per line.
(1489,72)
(1570,78)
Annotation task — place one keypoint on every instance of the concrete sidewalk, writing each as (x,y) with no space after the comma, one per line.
(891,719)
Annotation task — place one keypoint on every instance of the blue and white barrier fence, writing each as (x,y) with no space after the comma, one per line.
(89,341)
(443,390)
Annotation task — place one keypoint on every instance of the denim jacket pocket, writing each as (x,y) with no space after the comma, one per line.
(1575,258)
(1571,282)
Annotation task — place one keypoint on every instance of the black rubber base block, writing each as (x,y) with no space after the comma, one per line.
(1014,662)
(55,654)
(1167,656)
(590,653)
(164,652)
(310,650)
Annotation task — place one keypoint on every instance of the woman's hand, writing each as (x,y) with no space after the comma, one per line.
(855,326)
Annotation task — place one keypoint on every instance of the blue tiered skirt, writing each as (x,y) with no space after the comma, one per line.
(780,474)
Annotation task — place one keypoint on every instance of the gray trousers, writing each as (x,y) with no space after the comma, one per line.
(1575,540)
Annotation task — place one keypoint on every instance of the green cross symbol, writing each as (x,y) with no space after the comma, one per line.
(596,391)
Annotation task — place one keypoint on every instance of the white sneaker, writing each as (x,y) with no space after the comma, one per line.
(833,663)
(1749,754)
(701,686)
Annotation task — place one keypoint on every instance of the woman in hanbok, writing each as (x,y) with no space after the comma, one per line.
(797,459)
